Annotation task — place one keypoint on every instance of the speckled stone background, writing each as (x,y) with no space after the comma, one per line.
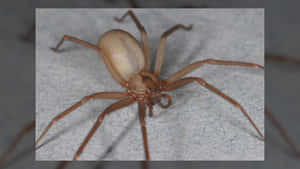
(199,125)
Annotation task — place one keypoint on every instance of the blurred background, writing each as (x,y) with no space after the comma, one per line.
(282,82)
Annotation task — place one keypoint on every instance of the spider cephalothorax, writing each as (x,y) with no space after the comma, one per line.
(147,88)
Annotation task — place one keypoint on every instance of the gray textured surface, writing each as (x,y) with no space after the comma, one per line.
(198,126)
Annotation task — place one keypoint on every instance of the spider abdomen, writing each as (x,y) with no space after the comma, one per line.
(123,51)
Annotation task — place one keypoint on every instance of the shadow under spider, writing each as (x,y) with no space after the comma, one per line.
(237,123)
(79,122)
(119,138)
(65,130)
(100,165)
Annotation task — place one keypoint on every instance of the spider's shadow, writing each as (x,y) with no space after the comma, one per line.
(121,136)
(81,121)
(72,126)
(182,98)
(67,49)
(241,125)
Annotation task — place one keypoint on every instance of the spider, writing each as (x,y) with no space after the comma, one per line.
(30,127)
(129,65)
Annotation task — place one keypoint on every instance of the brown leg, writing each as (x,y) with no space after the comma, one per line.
(282,132)
(113,107)
(73,39)
(62,164)
(144,164)
(279,58)
(102,95)
(196,65)
(29,35)
(133,4)
(169,101)
(150,107)
(17,139)
(143,36)
(162,44)
(202,82)
(143,127)
(108,64)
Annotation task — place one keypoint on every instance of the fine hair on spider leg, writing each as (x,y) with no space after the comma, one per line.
(141,84)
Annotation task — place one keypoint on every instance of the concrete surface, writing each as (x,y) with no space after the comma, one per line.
(198,126)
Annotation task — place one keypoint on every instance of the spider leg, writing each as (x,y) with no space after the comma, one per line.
(202,82)
(133,4)
(279,58)
(113,107)
(282,132)
(102,95)
(29,36)
(162,44)
(144,37)
(169,101)
(75,40)
(141,106)
(62,164)
(196,65)
(16,141)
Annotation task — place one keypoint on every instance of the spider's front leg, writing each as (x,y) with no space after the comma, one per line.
(185,81)
(141,107)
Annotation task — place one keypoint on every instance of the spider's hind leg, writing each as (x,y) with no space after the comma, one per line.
(185,81)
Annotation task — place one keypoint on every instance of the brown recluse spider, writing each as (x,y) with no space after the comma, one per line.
(129,65)
(31,125)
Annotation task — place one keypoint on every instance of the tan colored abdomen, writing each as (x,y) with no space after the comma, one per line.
(124,52)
